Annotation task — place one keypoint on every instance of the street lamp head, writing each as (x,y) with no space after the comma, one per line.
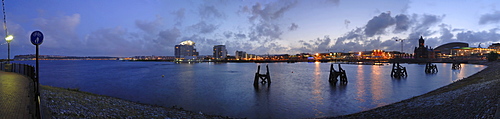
(9,38)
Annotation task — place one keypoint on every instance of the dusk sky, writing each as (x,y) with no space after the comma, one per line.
(152,27)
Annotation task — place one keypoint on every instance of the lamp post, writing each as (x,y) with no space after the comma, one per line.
(9,38)
(401,40)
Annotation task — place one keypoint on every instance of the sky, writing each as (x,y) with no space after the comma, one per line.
(124,28)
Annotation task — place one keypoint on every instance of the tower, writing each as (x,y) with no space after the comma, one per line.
(422,52)
(421,42)
(220,52)
(186,50)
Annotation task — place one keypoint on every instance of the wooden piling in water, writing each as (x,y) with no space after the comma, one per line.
(430,68)
(456,65)
(398,71)
(332,78)
(265,78)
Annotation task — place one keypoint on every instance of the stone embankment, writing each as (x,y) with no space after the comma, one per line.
(477,96)
(71,103)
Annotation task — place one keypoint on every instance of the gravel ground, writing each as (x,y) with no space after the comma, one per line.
(67,103)
(477,96)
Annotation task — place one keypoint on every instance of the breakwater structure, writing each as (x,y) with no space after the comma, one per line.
(265,78)
(430,68)
(334,75)
(455,66)
(398,71)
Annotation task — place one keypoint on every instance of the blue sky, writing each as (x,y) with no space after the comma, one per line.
(131,28)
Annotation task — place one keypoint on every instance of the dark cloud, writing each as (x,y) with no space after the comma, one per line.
(269,11)
(316,45)
(490,18)
(378,24)
(335,2)
(168,36)
(265,20)
(360,39)
(240,36)
(293,27)
(228,34)
(427,21)
(402,23)
(204,28)
(208,12)
(269,48)
(346,23)
(479,36)
(446,35)
(179,16)
(264,32)
(149,26)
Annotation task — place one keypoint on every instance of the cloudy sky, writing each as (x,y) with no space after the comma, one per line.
(136,27)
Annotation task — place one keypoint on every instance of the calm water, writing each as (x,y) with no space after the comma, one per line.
(298,90)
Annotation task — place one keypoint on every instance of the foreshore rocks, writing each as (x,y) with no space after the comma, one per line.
(67,103)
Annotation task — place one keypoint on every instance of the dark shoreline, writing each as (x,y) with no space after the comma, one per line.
(72,103)
(477,96)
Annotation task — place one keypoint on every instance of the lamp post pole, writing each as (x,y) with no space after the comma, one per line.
(8,38)
(401,40)
(8,51)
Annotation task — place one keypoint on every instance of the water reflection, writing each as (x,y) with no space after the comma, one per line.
(360,84)
(261,107)
(338,89)
(299,90)
(317,100)
(377,85)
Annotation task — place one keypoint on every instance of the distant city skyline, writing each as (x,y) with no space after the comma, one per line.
(142,28)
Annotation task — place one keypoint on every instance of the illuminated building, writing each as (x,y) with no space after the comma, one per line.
(185,50)
(423,52)
(220,52)
(495,46)
(471,53)
(444,51)
(240,55)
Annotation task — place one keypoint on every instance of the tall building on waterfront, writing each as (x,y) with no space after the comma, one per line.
(186,50)
(220,52)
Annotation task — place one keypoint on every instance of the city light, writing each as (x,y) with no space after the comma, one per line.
(9,38)
(188,42)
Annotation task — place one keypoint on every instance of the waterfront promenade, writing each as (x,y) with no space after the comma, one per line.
(16,94)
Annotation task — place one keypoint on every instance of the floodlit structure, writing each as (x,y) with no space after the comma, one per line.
(444,51)
(471,53)
(240,55)
(186,50)
(422,51)
(220,52)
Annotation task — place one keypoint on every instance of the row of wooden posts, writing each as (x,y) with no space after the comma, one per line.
(333,77)
(397,71)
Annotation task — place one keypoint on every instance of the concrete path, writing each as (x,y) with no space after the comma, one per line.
(16,96)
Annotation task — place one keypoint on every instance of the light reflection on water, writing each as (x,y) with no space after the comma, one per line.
(298,90)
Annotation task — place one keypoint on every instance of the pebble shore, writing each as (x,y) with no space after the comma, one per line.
(477,96)
(69,103)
